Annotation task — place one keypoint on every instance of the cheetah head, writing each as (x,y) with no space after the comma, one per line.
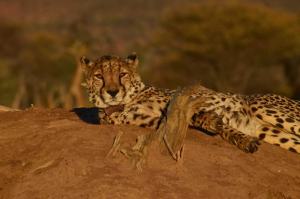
(112,80)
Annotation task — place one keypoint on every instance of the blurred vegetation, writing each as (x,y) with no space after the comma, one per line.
(239,47)
(33,64)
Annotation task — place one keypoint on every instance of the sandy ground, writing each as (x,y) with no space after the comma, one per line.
(62,154)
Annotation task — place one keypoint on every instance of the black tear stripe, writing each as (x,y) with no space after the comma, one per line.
(101,96)
(123,86)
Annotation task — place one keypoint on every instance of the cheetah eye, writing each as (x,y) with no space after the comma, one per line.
(123,74)
(98,76)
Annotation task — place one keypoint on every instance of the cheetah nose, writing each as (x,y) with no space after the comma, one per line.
(112,93)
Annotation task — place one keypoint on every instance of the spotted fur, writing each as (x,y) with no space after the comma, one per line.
(241,120)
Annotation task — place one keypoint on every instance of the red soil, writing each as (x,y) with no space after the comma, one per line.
(61,154)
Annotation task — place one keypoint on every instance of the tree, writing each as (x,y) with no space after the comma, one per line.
(232,46)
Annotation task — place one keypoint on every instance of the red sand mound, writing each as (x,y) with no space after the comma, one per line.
(61,154)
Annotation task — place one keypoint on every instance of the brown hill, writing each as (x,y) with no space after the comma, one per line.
(61,154)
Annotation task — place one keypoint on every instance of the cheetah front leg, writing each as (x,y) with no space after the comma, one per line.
(213,123)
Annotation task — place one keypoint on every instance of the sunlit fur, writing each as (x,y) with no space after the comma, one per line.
(240,120)
(112,73)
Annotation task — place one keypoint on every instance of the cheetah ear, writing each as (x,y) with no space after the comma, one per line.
(85,63)
(133,60)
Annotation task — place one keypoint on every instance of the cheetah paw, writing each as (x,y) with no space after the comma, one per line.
(250,146)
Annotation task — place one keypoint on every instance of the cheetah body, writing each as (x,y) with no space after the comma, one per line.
(272,118)
(113,81)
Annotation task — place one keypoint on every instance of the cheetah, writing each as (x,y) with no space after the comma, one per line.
(116,88)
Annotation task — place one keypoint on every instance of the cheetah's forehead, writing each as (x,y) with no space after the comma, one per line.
(113,65)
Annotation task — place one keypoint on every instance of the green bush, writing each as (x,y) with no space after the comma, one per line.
(232,46)
(39,60)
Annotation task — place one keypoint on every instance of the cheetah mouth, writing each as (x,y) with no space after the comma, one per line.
(113,101)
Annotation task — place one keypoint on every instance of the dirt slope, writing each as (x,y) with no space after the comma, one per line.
(61,154)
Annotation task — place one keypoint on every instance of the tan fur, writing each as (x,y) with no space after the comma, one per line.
(114,81)
(272,118)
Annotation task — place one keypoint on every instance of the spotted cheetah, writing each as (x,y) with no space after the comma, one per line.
(116,88)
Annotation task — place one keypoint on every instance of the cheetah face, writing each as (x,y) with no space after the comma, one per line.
(112,80)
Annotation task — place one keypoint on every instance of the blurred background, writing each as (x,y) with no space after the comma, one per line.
(242,46)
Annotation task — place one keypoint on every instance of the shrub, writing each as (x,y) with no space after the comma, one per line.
(232,46)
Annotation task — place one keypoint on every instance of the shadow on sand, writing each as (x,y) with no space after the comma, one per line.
(89,115)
